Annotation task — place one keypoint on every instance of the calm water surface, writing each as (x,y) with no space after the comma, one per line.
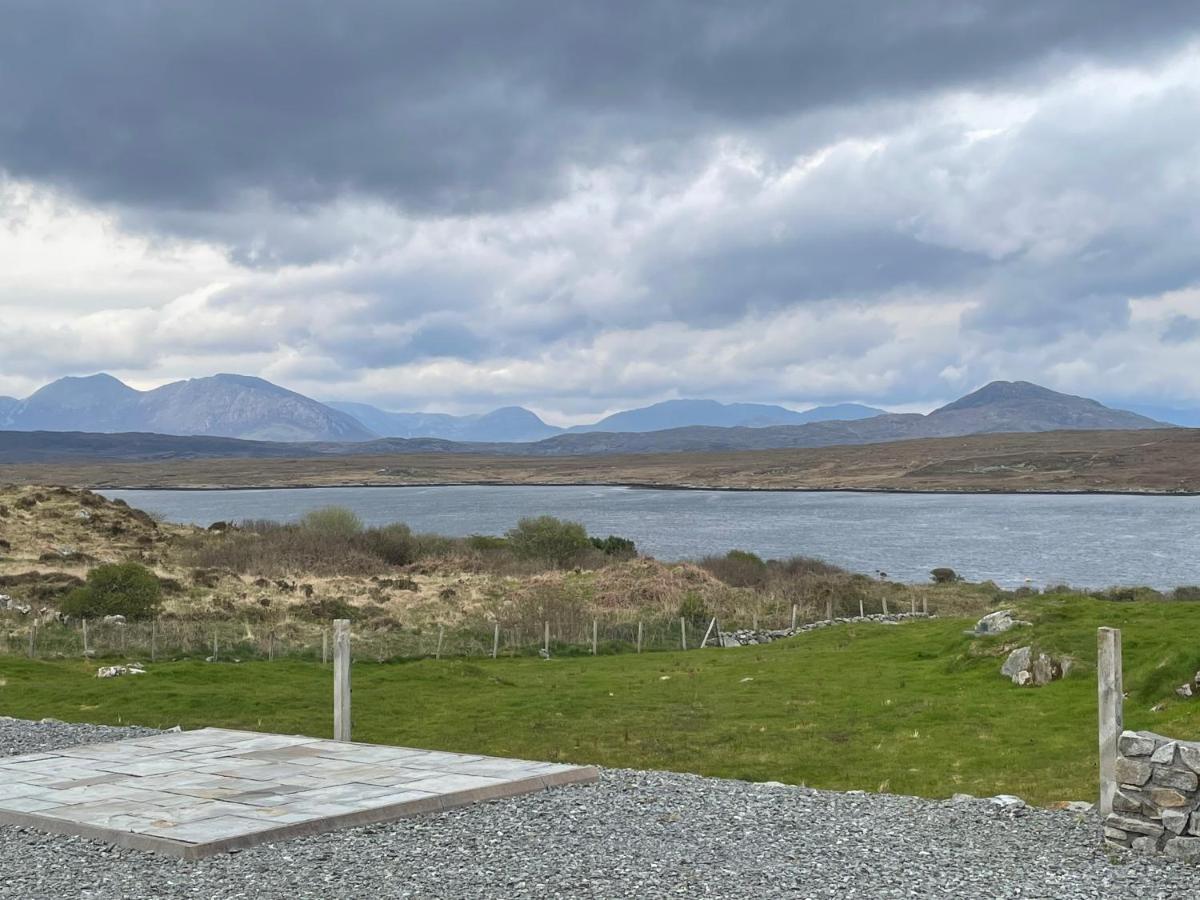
(1012,539)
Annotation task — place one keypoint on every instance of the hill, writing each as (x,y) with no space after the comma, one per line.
(236,406)
(508,424)
(686,413)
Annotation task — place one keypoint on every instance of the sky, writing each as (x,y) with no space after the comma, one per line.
(581,207)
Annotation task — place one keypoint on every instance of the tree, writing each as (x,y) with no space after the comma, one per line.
(116,589)
(548,538)
(942,575)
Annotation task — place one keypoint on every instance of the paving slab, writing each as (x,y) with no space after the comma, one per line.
(196,793)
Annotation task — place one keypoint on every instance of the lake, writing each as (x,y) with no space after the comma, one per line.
(1012,539)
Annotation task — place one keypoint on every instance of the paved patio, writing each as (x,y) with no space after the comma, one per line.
(195,793)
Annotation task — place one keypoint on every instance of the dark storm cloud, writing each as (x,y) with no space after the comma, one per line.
(443,106)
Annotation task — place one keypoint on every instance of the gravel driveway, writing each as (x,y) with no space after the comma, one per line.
(636,834)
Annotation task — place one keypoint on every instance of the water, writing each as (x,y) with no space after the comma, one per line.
(1015,539)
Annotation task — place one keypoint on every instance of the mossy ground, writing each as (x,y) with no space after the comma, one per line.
(918,708)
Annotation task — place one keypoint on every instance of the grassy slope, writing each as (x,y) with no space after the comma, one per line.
(912,709)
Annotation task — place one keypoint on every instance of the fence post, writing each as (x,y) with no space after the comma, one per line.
(32,641)
(683,632)
(546,640)
(793,617)
(924,606)
(271,645)
(885,606)
(496,641)
(85,638)
(754,621)
(341,679)
(324,646)
(593,637)
(862,613)
(437,654)
(711,626)
(913,602)
(639,640)
(829,608)
(214,645)
(153,640)
(1108,677)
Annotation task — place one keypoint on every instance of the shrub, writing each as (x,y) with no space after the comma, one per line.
(486,543)
(333,521)
(394,544)
(1186,592)
(116,589)
(613,545)
(942,575)
(737,568)
(548,538)
(693,609)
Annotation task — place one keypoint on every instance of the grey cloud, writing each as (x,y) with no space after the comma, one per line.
(460,107)
(1181,330)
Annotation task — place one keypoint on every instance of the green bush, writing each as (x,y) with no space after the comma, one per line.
(548,538)
(116,589)
(737,568)
(486,543)
(694,610)
(333,521)
(613,545)
(943,575)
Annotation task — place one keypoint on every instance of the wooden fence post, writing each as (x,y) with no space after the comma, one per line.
(271,645)
(754,621)
(214,656)
(437,654)
(683,632)
(324,646)
(1109,689)
(913,602)
(85,638)
(594,637)
(862,613)
(924,606)
(153,640)
(829,608)
(341,679)
(885,606)
(546,639)
(496,641)
(711,626)
(639,640)
(793,617)
(32,641)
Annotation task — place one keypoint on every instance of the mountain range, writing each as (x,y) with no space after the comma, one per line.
(1001,406)
(241,406)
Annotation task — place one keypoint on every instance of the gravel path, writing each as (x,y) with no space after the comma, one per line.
(636,834)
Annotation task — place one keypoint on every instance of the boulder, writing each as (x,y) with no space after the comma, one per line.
(1175,778)
(996,623)
(1185,690)
(1186,849)
(1136,826)
(1133,771)
(1018,661)
(1164,755)
(1175,820)
(1135,743)
(1190,755)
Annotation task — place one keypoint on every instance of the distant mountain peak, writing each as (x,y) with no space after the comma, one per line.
(1008,392)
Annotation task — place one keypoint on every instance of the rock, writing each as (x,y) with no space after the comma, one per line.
(1023,678)
(1184,690)
(1186,849)
(1044,670)
(1174,778)
(1007,802)
(1145,844)
(1127,801)
(1164,755)
(996,623)
(1075,806)
(1116,836)
(962,798)
(1189,754)
(1018,661)
(1133,771)
(1175,820)
(114,671)
(1127,823)
(1167,798)
(113,620)
(1194,824)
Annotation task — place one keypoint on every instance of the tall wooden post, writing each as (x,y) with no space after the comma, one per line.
(153,640)
(341,679)
(829,608)
(496,641)
(683,632)
(85,638)
(594,637)
(437,654)
(639,641)
(708,633)
(793,617)
(885,606)
(924,606)
(862,613)
(32,641)
(324,646)
(1112,717)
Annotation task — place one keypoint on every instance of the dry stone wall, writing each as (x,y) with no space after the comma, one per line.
(1155,806)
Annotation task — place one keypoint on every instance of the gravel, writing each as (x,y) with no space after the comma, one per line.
(636,834)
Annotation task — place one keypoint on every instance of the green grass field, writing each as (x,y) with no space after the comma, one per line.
(918,708)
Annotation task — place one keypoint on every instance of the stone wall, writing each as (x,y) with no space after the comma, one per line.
(1155,806)
(745,636)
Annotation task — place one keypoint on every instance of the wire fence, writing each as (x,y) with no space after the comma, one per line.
(170,638)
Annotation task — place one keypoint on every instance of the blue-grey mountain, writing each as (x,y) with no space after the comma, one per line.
(686,413)
(508,424)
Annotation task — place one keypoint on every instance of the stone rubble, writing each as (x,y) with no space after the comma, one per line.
(746,636)
(1025,668)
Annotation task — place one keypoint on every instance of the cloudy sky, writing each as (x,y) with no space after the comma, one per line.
(582,206)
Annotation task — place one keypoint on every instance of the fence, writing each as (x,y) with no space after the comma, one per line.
(224,639)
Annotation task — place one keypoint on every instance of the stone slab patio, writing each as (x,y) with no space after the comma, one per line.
(195,793)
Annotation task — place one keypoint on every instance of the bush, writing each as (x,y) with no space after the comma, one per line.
(615,546)
(486,543)
(394,544)
(737,568)
(1186,592)
(548,538)
(942,575)
(333,521)
(693,609)
(116,589)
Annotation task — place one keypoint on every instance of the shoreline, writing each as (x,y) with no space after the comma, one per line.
(650,486)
